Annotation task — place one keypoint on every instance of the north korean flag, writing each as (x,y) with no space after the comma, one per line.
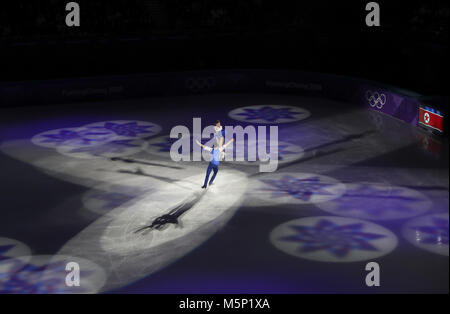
(431,118)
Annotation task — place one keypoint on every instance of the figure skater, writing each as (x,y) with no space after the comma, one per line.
(220,133)
(216,152)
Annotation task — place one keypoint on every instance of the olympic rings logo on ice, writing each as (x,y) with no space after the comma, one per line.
(197,84)
(375,99)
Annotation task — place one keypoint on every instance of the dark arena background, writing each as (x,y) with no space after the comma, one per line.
(92,200)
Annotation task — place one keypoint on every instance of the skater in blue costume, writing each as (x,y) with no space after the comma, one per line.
(216,152)
(220,133)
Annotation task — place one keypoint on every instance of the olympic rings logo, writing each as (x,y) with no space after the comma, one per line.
(375,99)
(197,84)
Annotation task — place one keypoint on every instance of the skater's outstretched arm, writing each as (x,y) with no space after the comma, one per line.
(228,143)
(204,146)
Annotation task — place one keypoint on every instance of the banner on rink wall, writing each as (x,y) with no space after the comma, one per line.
(400,104)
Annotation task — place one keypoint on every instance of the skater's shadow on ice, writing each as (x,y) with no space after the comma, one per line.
(173,216)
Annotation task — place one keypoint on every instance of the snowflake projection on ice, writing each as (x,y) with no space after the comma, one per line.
(302,189)
(126,129)
(10,266)
(286,153)
(101,139)
(436,234)
(269,114)
(378,202)
(4,249)
(296,188)
(429,233)
(115,148)
(10,248)
(27,280)
(72,137)
(58,137)
(333,239)
(47,275)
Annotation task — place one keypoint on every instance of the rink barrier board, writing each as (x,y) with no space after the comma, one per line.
(401,104)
